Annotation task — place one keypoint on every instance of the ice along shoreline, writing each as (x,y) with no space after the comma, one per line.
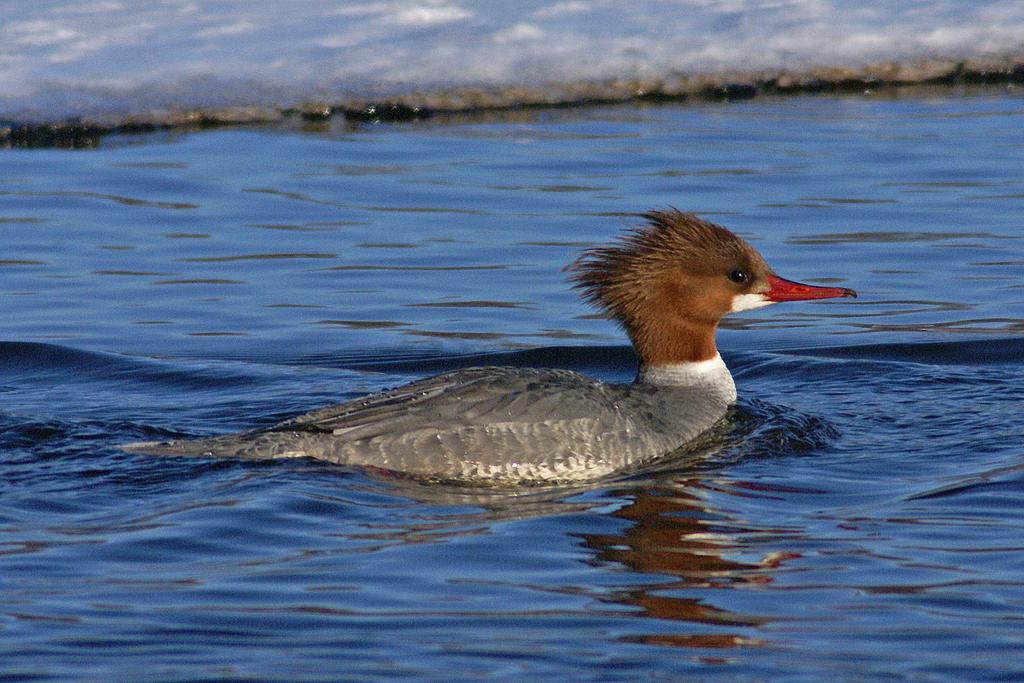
(413,105)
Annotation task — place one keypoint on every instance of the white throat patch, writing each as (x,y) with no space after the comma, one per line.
(747,302)
(709,375)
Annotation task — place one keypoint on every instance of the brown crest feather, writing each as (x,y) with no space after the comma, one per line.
(641,279)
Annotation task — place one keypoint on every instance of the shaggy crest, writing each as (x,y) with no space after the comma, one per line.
(616,278)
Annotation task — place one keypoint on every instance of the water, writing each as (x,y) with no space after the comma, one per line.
(856,518)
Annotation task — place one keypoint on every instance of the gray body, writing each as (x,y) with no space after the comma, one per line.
(502,424)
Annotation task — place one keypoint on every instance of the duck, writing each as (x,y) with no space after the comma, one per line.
(667,282)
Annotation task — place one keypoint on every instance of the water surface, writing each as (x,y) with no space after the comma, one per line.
(857,517)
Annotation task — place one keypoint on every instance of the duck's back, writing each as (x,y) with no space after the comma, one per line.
(510,424)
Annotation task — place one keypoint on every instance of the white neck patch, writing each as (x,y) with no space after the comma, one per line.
(746,302)
(709,375)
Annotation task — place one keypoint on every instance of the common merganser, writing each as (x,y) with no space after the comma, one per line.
(667,283)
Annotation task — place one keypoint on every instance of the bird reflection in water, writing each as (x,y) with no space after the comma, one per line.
(670,534)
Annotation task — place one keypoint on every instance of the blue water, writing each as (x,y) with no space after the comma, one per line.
(858,517)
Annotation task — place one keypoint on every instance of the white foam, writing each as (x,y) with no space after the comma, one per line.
(71,57)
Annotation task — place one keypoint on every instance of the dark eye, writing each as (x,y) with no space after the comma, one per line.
(739,276)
